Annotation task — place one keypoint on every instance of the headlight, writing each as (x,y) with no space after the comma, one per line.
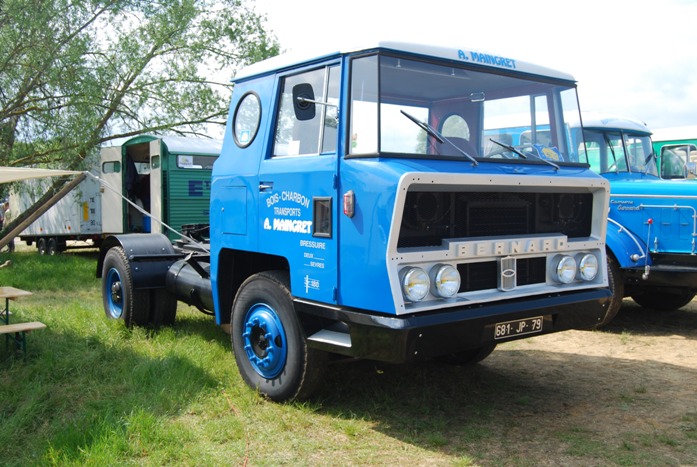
(566,269)
(415,284)
(445,280)
(587,267)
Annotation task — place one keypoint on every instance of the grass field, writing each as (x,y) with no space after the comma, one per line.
(91,392)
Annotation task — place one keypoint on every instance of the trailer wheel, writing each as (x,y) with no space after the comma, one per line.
(41,246)
(164,307)
(268,342)
(468,357)
(664,301)
(121,301)
(52,247)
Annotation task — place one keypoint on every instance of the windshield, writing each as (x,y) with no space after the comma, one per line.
(407,108)
(618,151)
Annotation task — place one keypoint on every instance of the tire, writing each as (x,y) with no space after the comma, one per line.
(41,246)
(164,307)
(468,357)
(268,342)
(660,300)
(52,247)
(616,282)
(120,300)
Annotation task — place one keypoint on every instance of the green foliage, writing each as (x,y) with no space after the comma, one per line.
(74,74)
(31,271)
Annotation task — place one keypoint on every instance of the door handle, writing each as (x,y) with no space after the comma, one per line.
(265,186)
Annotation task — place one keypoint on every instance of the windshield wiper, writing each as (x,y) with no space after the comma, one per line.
(513,149)
(652,156)
(509,147)
(612,151)
(438,137)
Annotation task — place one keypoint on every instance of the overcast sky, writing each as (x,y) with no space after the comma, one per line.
(635,58)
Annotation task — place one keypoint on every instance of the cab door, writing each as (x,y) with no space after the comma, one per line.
(156,186)
(297,197)
(112,169)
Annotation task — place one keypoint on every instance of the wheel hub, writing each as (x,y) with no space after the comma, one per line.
(116,292)
(264,341)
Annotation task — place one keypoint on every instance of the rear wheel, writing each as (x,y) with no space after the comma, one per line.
(52,247)
(164,307)
(268,342)
(664,301)
(41,246)
(120,300)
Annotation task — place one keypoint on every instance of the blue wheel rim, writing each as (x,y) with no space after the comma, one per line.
(114,293)
(265,341)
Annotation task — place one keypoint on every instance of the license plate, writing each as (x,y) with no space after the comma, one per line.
(518,327)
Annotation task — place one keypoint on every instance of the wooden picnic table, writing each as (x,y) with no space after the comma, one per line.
(18,329)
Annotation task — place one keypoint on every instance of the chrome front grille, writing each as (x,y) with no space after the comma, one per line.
(507,274)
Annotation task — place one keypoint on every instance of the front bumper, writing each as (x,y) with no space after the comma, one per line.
(361,334)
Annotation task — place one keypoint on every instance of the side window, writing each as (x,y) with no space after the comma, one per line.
(111,167)
(675,159)
(686,152)
(319,134)
(246,120)
(331,112)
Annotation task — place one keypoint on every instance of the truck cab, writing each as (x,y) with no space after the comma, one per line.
(676,151)
(394,202)
(652,221)
(166,176)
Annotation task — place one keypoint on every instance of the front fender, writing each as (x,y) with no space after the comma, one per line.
(623,244)
(149,257)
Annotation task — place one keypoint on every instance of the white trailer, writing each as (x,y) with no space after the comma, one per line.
(76,218)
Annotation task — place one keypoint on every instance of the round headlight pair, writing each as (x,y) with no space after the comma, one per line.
(443,281)
(583,267)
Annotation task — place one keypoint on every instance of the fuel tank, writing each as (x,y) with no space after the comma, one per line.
(189,281)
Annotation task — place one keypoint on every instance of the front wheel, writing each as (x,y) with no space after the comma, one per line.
(616,282)
(468,357)
(664,301)
(268,341)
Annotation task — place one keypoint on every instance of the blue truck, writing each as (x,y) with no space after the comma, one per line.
(652,230)
(369,203)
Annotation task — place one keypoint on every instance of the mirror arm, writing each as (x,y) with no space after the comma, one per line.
(312,101)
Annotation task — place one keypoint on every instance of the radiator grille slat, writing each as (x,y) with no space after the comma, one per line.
(483,275)
(431,217)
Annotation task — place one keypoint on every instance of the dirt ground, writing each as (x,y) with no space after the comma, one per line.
(632,384)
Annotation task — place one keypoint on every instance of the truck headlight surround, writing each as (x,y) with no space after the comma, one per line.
(587,266)
(445,280)
(565,269)
(415,284)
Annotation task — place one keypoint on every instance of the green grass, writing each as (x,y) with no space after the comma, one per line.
(91,392)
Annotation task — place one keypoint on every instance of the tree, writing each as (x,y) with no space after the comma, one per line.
(75,74)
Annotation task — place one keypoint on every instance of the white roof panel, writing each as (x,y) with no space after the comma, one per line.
(464,55)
